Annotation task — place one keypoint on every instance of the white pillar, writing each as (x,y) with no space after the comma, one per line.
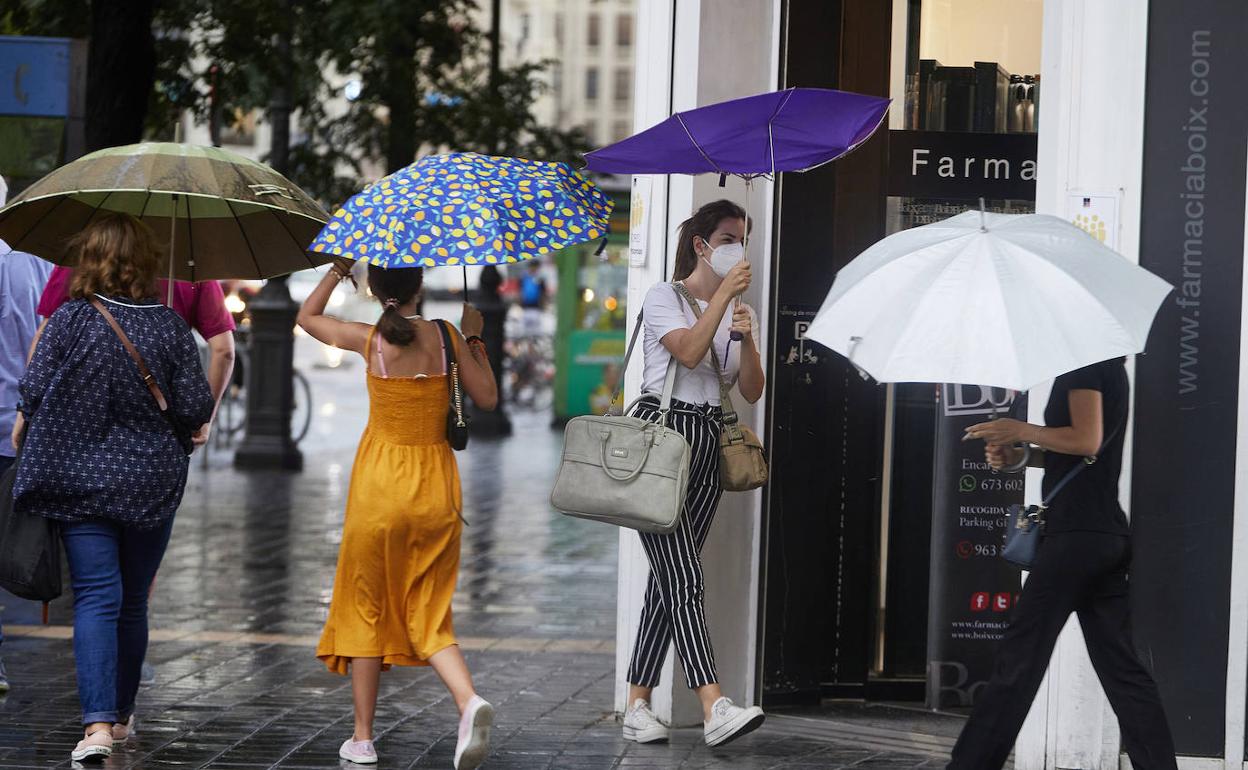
(1091,140)
(677,70)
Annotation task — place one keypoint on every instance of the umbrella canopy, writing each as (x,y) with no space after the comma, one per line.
(987,299)
(792,130)
(466,209)
(230,217)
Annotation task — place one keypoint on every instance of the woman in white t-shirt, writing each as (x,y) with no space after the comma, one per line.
(710,263)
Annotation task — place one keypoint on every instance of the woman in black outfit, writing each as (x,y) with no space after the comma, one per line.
(1081,567)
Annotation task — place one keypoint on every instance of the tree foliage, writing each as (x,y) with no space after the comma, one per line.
(422,67)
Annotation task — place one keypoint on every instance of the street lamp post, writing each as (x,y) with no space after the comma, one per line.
(271,364)
(269,376)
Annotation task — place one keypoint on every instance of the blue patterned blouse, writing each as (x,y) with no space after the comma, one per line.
(97,446)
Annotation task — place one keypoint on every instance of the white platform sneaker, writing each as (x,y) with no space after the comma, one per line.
(642,725)
(729,721)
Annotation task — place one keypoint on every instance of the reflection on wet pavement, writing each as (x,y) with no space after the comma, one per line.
(245,586)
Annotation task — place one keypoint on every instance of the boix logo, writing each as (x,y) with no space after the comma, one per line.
(975,399)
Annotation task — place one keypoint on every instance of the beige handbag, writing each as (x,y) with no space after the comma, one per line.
(625,470)
(742,459)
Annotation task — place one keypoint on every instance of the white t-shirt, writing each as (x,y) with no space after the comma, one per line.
(666,312)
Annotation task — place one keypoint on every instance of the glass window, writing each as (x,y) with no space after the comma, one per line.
(623,86)
(624,30)
(591,84)
(594,31)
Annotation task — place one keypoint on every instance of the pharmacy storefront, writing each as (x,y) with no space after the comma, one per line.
(866,571)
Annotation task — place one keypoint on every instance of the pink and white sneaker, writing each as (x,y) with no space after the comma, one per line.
(474,734)
(123,731)
(96,746)
(359,752)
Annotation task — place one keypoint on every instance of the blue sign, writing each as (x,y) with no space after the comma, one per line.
(34,76)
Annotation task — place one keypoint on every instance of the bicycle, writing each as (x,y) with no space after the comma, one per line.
(232,413)
(529,371)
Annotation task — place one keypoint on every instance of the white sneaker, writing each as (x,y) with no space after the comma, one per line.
(123,732)
(729,722)
(97,745)
(474,734)
(642,725)
(359,752)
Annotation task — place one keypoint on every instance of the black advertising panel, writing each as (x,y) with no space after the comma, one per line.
(1183,480)
(957,164)
(972,589)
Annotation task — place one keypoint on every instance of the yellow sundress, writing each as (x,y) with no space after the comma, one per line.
(399,557)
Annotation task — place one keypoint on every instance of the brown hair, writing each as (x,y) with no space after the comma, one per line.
(701,225)
(395,287)
(116,255)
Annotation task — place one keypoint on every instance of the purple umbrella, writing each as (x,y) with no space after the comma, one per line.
(792,130)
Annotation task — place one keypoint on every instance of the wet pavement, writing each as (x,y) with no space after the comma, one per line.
(245,587)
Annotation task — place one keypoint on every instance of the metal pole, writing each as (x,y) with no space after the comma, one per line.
(173,231)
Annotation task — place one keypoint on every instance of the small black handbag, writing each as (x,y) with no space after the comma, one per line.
(456,420)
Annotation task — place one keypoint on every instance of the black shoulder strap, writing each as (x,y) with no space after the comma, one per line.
(1075,471)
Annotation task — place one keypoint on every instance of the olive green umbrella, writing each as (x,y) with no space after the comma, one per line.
(227,216)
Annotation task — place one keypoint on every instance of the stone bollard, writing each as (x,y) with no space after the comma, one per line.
(494,312)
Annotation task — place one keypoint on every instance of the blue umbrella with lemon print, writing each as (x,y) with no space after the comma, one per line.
(463,209)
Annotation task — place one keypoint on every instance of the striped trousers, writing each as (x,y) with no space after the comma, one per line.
(675,596)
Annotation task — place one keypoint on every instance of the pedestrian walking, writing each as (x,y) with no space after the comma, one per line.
(711,265)
(533,297)
(399,557)
(22,277)
(202,306)
(1082,566)
(101,458)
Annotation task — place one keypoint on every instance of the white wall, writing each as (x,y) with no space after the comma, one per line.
(676,70)
(1091,139)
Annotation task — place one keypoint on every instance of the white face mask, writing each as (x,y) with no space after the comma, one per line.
(724,258)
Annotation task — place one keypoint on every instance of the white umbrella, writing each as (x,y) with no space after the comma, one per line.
(987,299)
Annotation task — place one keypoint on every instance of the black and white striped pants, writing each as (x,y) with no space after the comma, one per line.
(675,595)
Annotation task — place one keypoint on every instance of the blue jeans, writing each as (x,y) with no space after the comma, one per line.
(111,568)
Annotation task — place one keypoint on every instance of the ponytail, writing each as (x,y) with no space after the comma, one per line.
(701,225)
(395,287)
(394,328)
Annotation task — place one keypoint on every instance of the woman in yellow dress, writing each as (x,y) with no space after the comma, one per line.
(399,557)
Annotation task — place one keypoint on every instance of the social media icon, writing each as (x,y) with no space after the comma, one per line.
(979,601)
(1000,602)
(965,549)
(967,483)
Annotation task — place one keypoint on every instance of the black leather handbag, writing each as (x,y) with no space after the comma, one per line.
(456,419)
(30,548)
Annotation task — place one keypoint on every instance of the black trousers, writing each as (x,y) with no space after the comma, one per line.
(675,594)
(1084,573)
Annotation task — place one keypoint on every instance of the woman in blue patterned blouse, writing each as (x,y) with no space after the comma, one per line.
(101,459)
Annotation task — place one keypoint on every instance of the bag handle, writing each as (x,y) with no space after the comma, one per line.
(451,362)
(730,418)
(146,373)
(603,436)
(669,379)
